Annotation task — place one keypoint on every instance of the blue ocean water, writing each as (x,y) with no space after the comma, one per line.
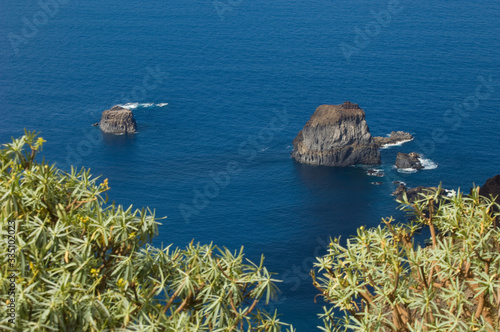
(241,78)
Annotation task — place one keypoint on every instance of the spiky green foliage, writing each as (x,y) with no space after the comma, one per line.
(87,266)
(382,280)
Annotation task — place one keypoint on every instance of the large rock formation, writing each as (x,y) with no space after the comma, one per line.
(408,160)
(336,135)
(491,187)
(396,137)
(118,120)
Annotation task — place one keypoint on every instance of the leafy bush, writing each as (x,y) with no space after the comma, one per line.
(86,266)
(381,280)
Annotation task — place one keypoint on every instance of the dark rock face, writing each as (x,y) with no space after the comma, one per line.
(395,138)
(491,187)
(413,193)
(336,135)
(408,160)
(118,120)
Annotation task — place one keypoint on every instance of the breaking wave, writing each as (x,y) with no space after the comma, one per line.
(132,106)
(427,163)
(386,146)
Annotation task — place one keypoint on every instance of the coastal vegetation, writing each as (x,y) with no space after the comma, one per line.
(72,262)
(387,279)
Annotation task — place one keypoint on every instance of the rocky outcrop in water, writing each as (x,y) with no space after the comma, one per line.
(491,187)
(118,120)
(408,160)
(396,137)
(336,135)
(413,193)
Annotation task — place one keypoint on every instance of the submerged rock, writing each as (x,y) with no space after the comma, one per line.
(336,135)
(396,137)
(408,160)
(118,120)
(375,172)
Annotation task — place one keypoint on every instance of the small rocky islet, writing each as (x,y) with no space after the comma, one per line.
(117,120)
(338,135)
(408,161)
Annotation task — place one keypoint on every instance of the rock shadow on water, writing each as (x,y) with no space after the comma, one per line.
(333,179)
(121,140)
(336,200)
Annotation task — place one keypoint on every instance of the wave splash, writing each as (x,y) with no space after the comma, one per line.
(428,164)
(132,106)
(389,145)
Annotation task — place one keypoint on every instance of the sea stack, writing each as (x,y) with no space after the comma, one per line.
(336,135)
(118,120)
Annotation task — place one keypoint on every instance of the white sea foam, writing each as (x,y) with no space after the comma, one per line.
(375,172)
(264,149)
(450,193)
(132,106)
(407,170)
(427,163)
(386,146)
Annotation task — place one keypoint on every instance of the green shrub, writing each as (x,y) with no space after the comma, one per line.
(84,265)
(382,280)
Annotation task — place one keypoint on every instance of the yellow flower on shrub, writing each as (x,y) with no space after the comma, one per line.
(94,272)
(121,283)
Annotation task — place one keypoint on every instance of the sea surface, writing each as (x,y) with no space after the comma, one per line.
(241,78)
